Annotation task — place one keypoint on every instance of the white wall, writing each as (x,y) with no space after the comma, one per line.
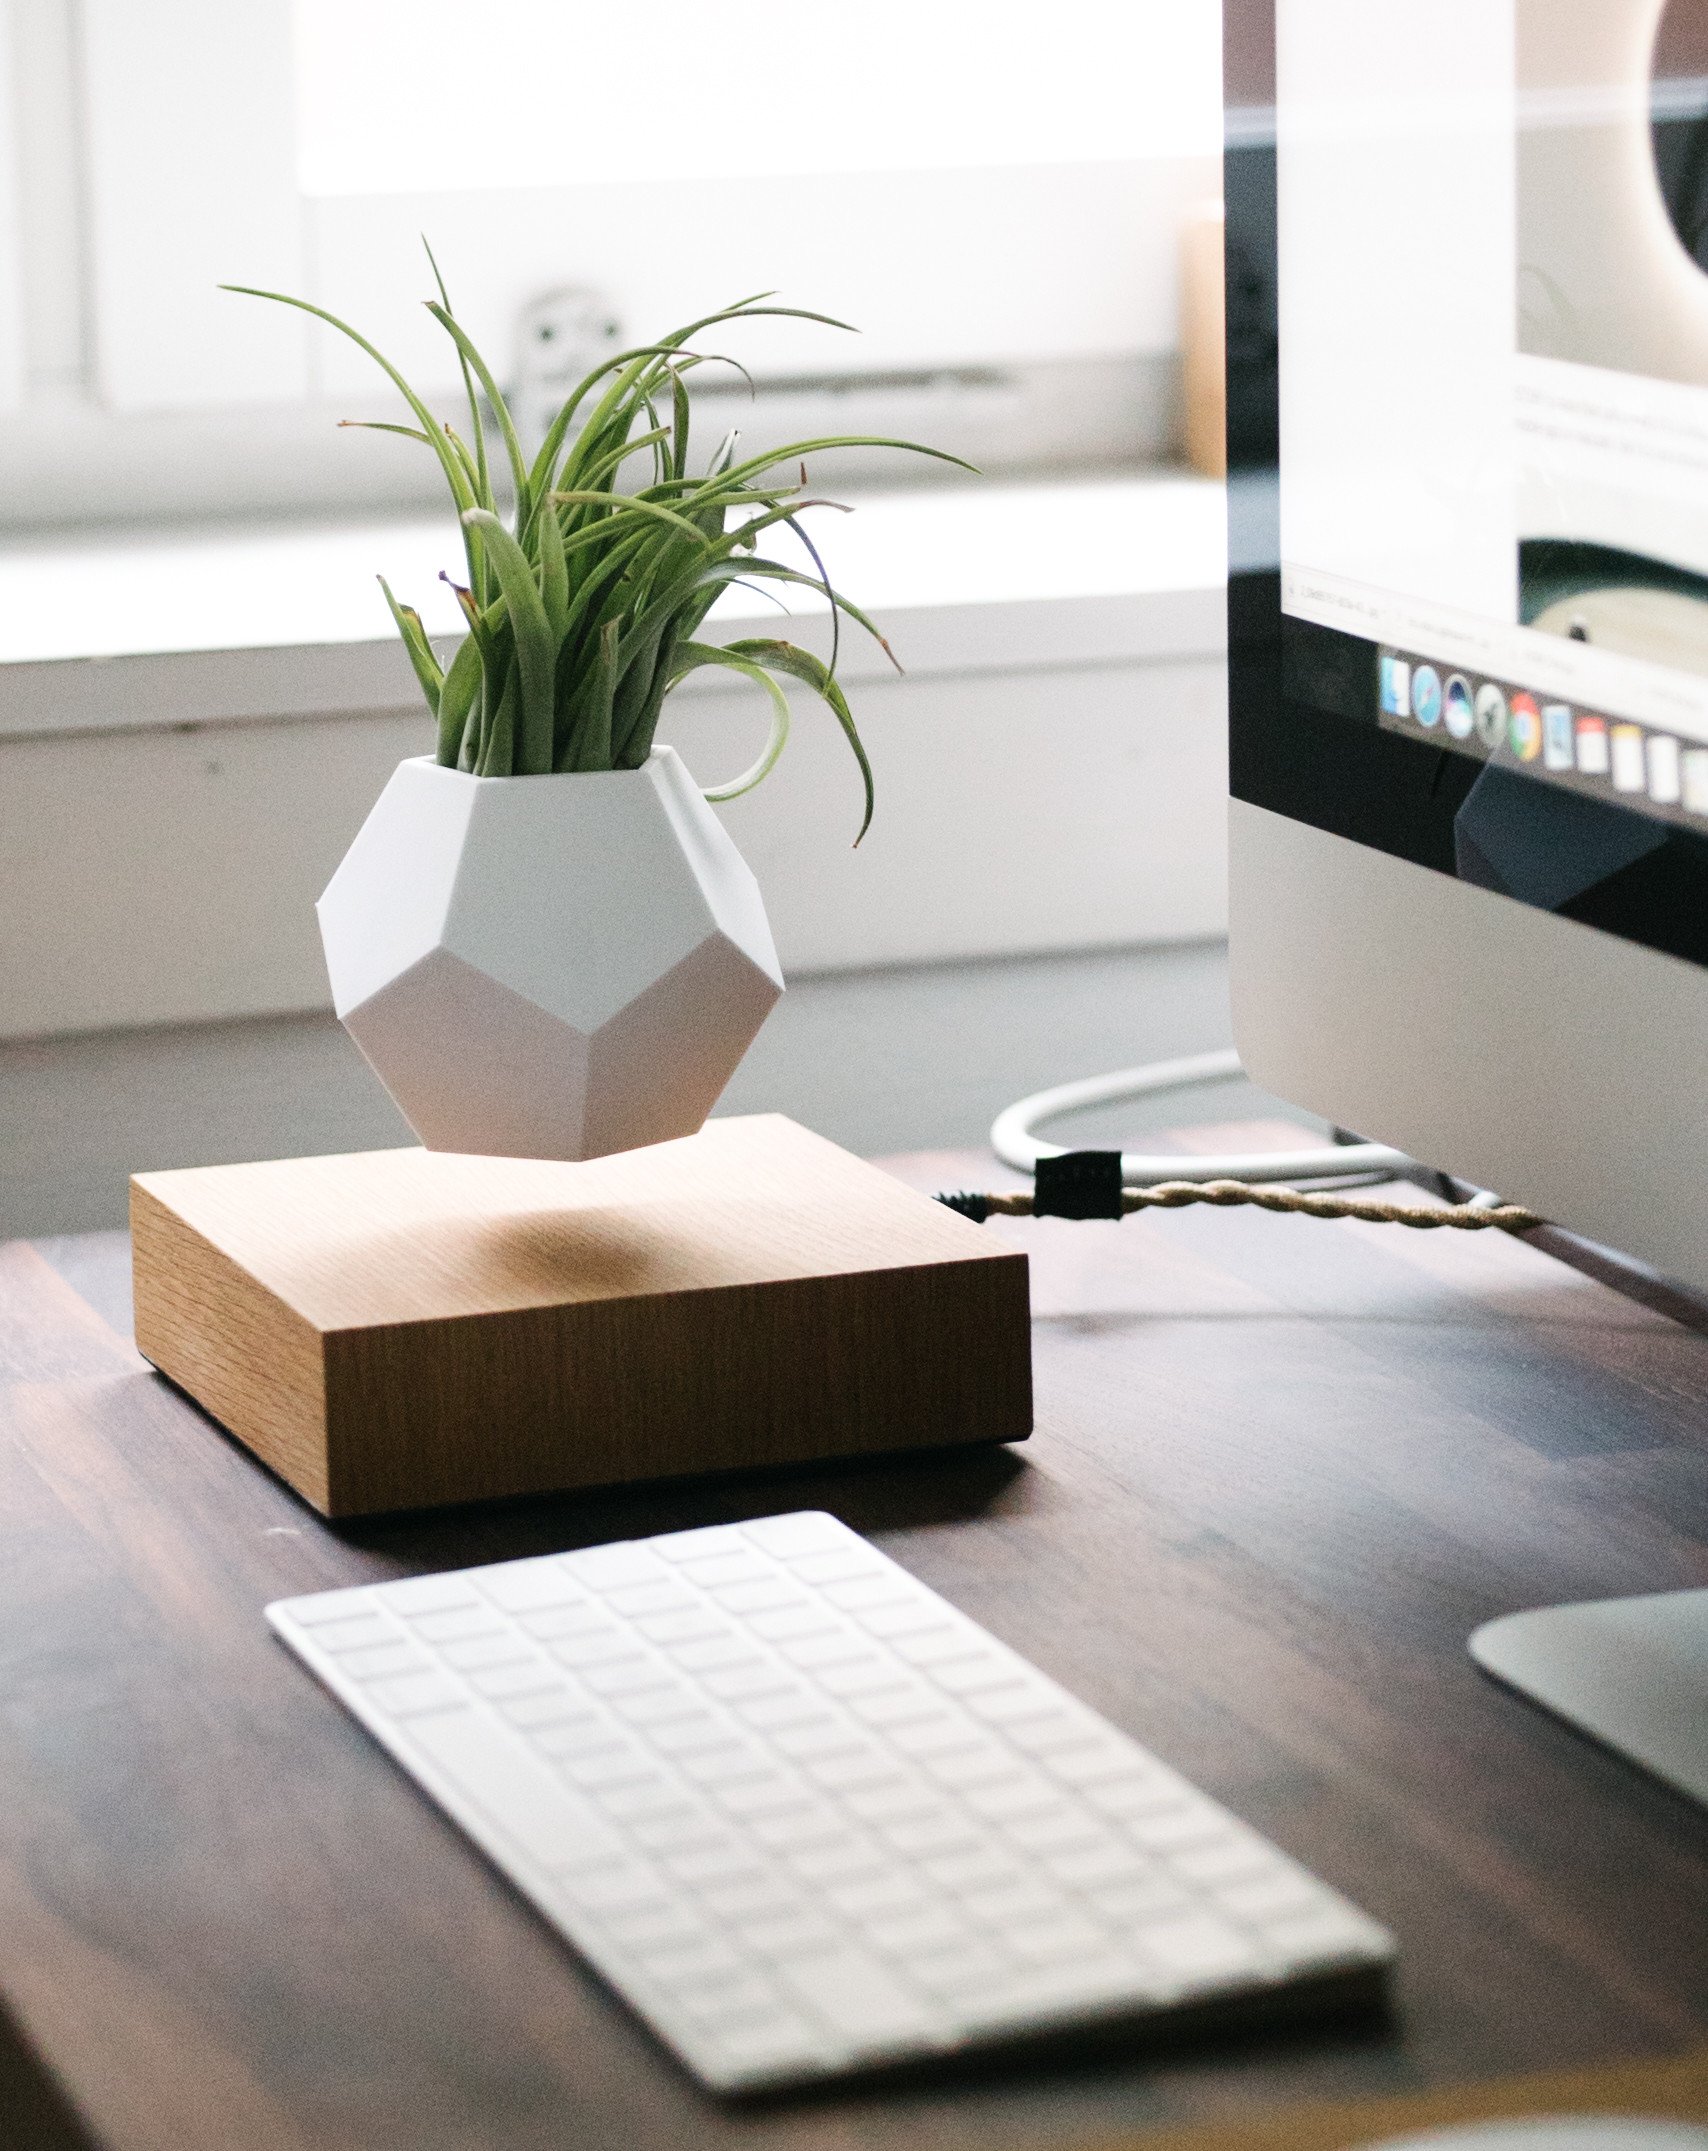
(167,876)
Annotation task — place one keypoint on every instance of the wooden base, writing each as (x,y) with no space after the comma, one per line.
(401,1328)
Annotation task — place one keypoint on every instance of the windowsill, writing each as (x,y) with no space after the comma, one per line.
(284,621)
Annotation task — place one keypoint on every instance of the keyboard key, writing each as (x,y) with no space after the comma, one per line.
(412,1693)
(1201,1946)
(327,1606)
(797,1830)
(609,1568)
(505,1682)
(666,1595)
(746,1684)
(1064,1828)
(870,1587)
(1048,1941)
(377,1664)
(1235,1856)
(781,1706)
(763,1595)
(744,1998)
(932,1836)
(839,1564)
(792,1623)
(1016,1796)
(461,1624)
(524,1586)
(1053,1729)
(844,1859)
(560,1705)
(1333,1934)
(980,1869)
(1014,1904)
(893,1893)
(913,1615)
(683,1546)
(692,1965)
(944,1734)
(653,1702)
(1277,1895)
(579,1617)
(901,1705)
(362,1633)
(781,2044)
(1144,1898)
(961,1973)
(788,1538)
(967,1676)
(751,1900)
(1096,1763)
(854,1993)
(654,1926)
(806,1933)
(1096,1867)
(1175,1829)
(976,1764)
(896,1800)
(712,1572)
(597,1647)
(418,1597)
(722,1652)
(1002,1703)
(936,1646)
(915,1931)
(614,1887)
(751,1799)
(693,1624)
(467,1654)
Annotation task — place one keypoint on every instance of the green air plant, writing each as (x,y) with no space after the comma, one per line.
(584,608)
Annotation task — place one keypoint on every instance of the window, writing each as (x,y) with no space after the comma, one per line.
(971,192)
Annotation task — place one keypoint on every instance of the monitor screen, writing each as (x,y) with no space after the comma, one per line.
(1490,232)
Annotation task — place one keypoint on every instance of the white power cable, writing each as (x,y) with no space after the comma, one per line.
(1016,1143)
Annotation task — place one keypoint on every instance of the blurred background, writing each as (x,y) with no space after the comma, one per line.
(200,694)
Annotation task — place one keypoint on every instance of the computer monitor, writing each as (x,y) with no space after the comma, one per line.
(1468,297)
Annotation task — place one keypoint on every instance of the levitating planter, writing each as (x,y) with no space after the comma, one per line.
(548,967)
(553,957)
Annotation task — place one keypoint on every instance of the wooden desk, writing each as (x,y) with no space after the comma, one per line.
(1282,1469)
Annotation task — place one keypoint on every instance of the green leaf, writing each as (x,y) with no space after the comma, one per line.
(456,701)
(590,745)
(482,477)
(630,502)
(811,672)
(408,622)
(554,570)
(440,447)
(695,654)
(500,409)
(536,648)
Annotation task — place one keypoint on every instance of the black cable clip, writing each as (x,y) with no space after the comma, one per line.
(1080,1183)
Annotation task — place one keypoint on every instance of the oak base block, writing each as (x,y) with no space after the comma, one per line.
(397,1329)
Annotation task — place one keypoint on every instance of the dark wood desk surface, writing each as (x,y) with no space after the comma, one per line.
(1282,1469)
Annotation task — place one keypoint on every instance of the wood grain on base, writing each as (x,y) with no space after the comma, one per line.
(401,1328)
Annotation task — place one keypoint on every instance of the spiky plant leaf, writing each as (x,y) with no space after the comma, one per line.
(584,608)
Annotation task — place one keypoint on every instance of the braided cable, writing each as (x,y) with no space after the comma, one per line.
(1295,1202)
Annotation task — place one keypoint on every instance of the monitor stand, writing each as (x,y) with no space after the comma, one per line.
(1630,1672)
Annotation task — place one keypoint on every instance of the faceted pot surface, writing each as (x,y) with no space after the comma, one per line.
(548,967)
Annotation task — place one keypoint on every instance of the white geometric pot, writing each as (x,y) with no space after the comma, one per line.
(548,967)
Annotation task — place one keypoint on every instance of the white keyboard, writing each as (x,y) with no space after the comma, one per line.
(805,1816)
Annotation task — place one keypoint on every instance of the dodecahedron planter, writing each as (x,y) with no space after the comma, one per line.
(548,967)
